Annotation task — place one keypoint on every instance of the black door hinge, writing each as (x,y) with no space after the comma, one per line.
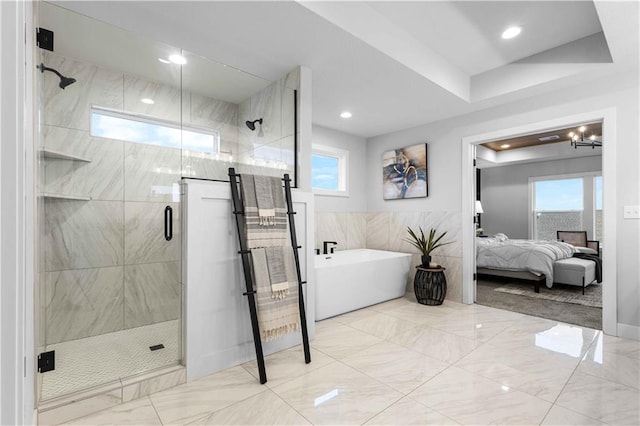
(474,162)
(475,277)
(46,361)
(44,39)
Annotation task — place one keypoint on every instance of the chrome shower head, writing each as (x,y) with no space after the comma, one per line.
(64,81)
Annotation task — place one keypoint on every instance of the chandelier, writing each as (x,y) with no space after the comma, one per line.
(577,139)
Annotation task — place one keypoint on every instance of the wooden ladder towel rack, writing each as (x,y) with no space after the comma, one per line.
(235,179)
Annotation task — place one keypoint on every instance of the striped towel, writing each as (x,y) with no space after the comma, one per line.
(278,312)
(265,211)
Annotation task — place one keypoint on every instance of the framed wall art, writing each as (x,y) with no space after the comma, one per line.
(404,173)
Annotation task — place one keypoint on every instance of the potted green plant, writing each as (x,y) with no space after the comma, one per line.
(425,244)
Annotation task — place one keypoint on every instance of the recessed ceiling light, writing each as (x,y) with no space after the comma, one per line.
(164,61)
(505,146)
(147,101)
(511,32)
(346,114)
(178,59)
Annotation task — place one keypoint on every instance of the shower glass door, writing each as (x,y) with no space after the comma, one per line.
(110,274)
(131,118)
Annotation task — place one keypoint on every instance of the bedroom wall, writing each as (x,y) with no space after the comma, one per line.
(505,192)
(445,164)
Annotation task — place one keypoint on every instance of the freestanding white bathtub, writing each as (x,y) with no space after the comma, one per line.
(352,279)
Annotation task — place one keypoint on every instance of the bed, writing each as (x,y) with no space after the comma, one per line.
(525,259)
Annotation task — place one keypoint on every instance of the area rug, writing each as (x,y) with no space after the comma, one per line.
(566,293)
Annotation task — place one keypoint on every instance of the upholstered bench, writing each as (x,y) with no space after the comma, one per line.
(574,271)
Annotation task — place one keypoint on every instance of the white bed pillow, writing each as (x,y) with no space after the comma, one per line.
(500,237)
(586,250)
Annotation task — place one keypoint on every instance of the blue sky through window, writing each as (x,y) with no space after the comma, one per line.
(598,187)
(559,195)
(324,172)
(151,133)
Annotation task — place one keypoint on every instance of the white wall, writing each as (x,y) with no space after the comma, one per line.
(444,163)
(217,324)
(357,147)
(505,192)
(16,214)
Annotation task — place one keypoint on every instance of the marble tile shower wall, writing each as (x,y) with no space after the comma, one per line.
(275,105)
(387,231)
(107,265)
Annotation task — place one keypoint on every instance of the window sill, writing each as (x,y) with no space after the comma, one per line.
(330,193)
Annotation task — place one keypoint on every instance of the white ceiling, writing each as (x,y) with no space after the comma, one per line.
(397,64)
(468,33)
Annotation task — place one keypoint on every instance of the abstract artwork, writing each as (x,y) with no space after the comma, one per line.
(404,172)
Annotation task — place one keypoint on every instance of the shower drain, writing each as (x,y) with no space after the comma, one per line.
(156,347)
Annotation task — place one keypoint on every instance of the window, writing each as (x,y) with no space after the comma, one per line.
(597,184)
(151,131)
(329,170)
(565,203)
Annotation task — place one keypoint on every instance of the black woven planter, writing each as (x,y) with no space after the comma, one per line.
(430,286)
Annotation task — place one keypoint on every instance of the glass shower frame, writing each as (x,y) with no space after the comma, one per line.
(109,275)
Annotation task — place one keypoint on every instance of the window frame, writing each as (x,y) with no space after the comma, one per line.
(343,170)
(148,119)
(588,187)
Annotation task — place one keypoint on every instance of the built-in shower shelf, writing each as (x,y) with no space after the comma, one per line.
(50,153)
(65,197)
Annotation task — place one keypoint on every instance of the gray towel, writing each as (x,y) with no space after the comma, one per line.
(277,273)
(264,198)
(276,316)
(260,231)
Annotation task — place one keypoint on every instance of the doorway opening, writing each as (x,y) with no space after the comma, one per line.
(525,227)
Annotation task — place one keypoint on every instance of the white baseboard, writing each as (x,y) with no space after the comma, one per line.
(629,331)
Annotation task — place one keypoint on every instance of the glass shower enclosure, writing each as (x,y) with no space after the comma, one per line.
(122,120)
(110,152)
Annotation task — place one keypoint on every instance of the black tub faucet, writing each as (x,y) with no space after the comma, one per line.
(325,244)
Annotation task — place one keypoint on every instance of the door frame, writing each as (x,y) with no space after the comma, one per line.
(608,118)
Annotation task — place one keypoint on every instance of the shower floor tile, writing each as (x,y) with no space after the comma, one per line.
(84,363)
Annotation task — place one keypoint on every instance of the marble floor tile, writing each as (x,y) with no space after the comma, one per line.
(562,416)
(527,372)
(337,394)
(339,341)
(395,366)
(476,327)
(287,365)
(559,342)
(436,344)
(611,366)
(410,412)
(472,399)
(265,408)
(348,318)
(138,412)
(382,326)
(392,304)
(399,362)
(192,401)
(416,313)
(601,399)
(620,346)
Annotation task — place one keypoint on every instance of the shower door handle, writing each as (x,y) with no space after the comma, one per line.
(168,223)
